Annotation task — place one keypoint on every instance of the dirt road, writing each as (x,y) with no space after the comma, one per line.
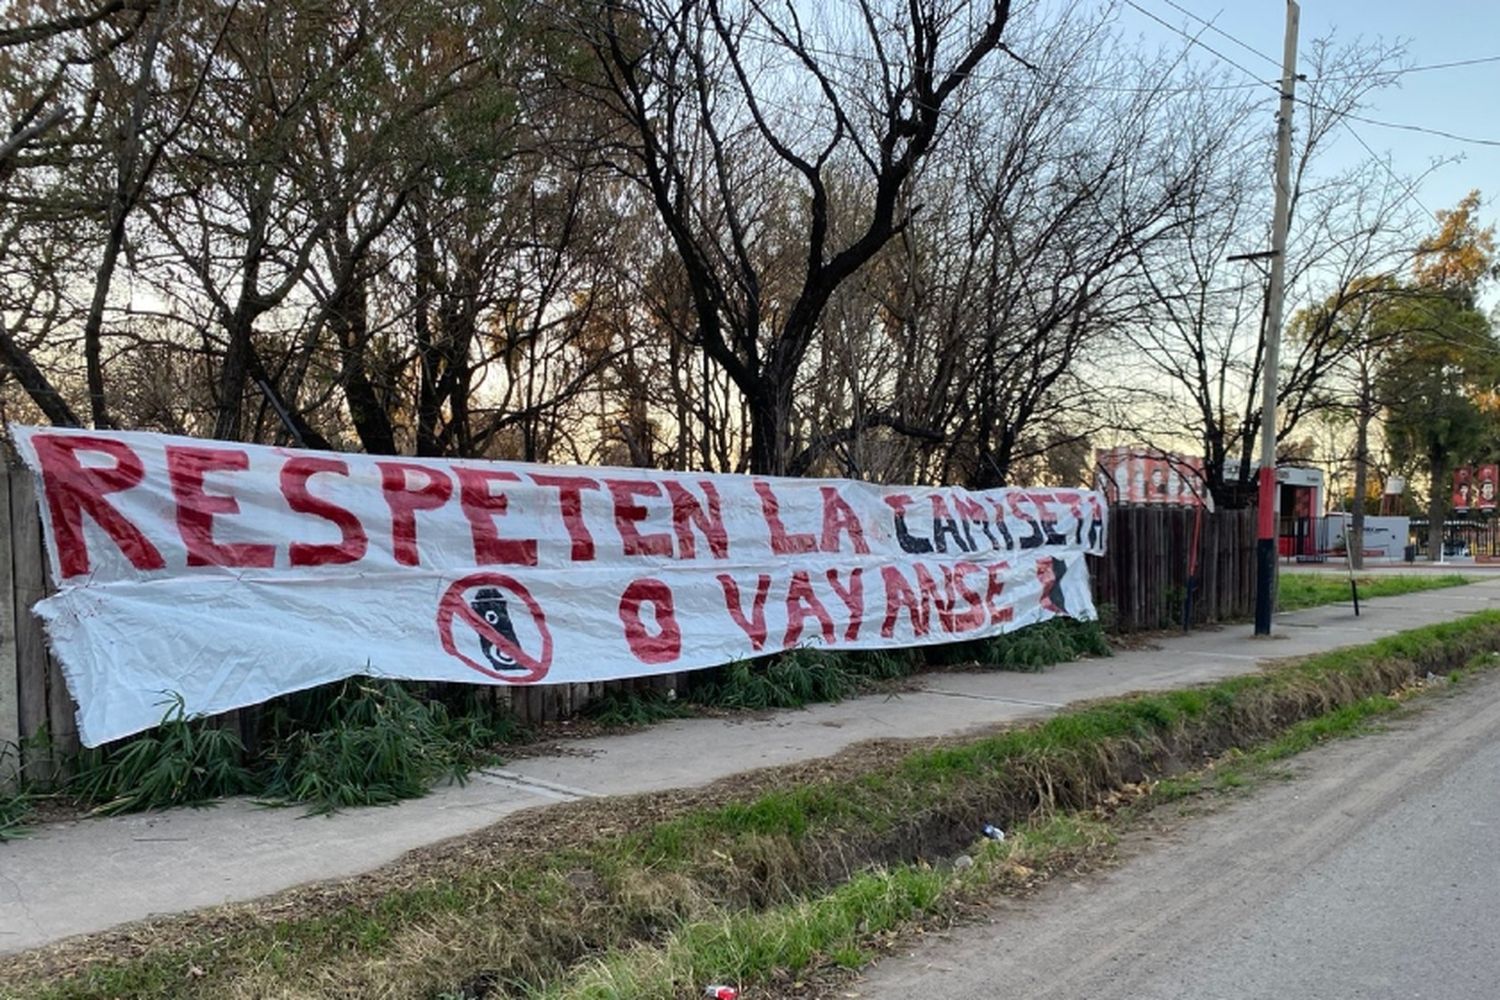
(1374,874)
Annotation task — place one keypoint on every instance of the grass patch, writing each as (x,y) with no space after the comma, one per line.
(748,946)
(1340,723)
(180,762)
(1239,768)
(541,903)
(16,803)
(1296,591)
(811,675)
(359,742)
(837,928)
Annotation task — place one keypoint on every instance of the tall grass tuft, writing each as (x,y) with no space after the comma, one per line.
(1051,642)
(16,803)
(368,742)
(358,742)
(795,678)
(1029,649)
(633,708)
(809,675)
(182,761)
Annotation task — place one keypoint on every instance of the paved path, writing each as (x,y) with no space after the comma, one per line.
(72,878)
(1396,567)
(1371,876)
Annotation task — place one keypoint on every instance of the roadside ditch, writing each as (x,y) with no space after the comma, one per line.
(749,881)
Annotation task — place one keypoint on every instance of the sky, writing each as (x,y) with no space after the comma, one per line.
(1465,100)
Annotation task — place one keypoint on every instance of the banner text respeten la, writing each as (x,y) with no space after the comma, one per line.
(229,574)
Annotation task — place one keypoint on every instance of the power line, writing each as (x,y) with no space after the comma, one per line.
(1201,44)
(1477,61)
(1222,33)
(1066,84)
(1344,116)
(1408,192)
(1402,126)
(1408,189)
(870,60)
(1379,123)
(1428,67)
(1452,65)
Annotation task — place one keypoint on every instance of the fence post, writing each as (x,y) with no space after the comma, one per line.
(62,711)
(10,692)
(29,584)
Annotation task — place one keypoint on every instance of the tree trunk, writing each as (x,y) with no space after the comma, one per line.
(770,426)
(1436,508)
(127,189)
(93,327)
(233,378)
(350,322)
(764,431)
(424,276)
(41,390)
(1361,478)
(234,375)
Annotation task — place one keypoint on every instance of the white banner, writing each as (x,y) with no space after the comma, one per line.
(231,573)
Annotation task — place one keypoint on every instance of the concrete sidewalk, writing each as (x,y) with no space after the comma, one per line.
(1395,567)
(77,877)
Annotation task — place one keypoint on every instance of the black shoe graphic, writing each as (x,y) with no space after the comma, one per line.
(489,604)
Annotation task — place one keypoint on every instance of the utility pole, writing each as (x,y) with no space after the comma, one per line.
(1265,545)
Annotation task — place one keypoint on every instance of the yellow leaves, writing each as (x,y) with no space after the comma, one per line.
(1488,401)
(1461,253)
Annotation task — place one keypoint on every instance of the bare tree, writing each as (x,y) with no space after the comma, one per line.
(56,69)
(704,87)
(1079,181)
(1201,340)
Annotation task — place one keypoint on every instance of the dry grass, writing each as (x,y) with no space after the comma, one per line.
(539,897)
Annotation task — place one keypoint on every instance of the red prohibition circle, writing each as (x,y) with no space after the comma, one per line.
(454,606)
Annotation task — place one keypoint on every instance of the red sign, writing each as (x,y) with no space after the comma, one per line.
(1150,476)
(1487,476)
(1463,487)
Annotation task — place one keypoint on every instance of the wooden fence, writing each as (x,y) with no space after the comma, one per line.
(1141,581)
(36,710)
(1143,576)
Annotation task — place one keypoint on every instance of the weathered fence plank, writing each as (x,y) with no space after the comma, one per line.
(62,718)
(29,573)
(1143,575)
(10,692)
